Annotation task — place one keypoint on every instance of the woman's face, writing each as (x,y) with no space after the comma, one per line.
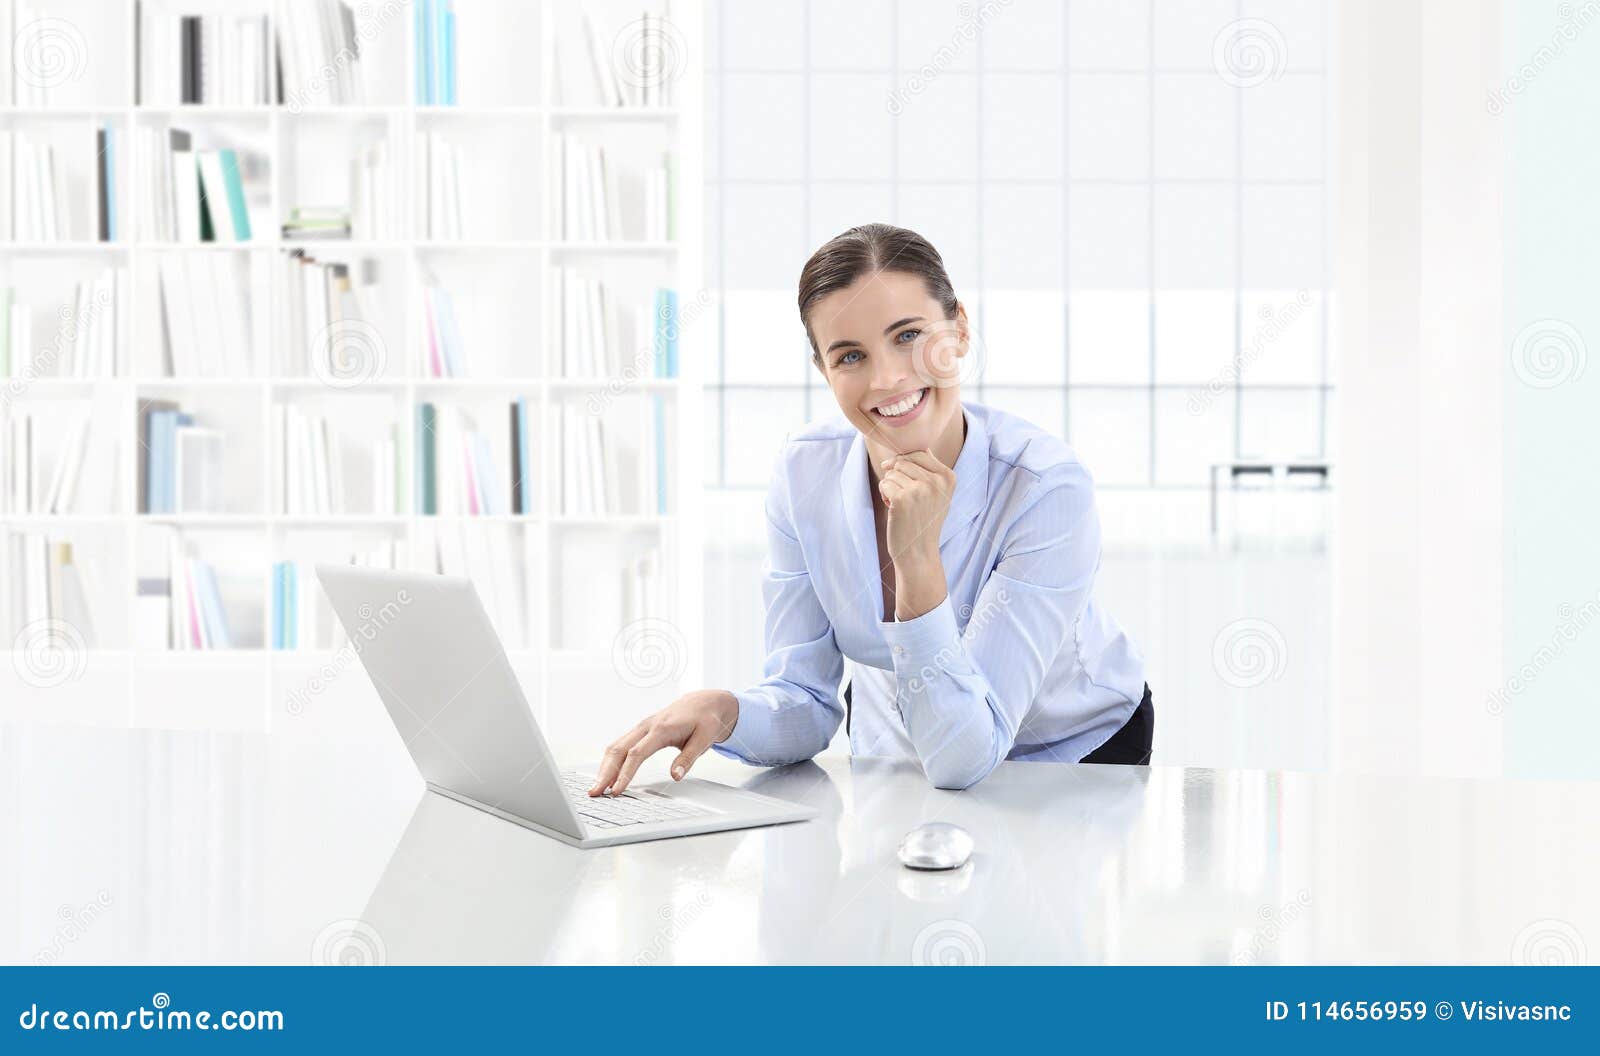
(891,358)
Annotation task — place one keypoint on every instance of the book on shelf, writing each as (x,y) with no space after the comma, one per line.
(53,464)
(321,299)
(181,462)
(593,188)
(189,195)
(62,195)
(485,554)
(49,583)
(606,471)
(440,179)
(434,35)
(603,585)
(300,616)
(635,67)
(441,352)
(89,338)
(178,602)
(212,59)
(319,54)
(372,197)
(308,223)
(207,315)
(595,329)
(458,473)
(314,463)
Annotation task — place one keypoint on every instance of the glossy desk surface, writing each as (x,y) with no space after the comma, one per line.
(173,847)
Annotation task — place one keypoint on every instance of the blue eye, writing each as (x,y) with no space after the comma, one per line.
(845,360)
(903,335)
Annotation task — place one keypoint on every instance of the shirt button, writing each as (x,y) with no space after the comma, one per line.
(899,650)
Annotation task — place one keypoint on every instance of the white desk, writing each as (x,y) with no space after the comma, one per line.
(184,847)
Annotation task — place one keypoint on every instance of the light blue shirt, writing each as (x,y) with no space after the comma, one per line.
(1017,662)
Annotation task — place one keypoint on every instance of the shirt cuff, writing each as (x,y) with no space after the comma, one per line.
(930,639)
(752,730)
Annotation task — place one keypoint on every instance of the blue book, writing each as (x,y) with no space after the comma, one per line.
(424,25)
(436,40)
(111,182)
(658,410)
(204,578)
(163,480)
(449,53)
(449,334)
(235,188)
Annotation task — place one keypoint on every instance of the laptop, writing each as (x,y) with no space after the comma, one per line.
(442,673)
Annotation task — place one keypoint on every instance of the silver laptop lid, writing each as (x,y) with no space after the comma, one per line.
(439,667)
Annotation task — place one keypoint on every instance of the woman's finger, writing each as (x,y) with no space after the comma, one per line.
(648,745)
(611,762)
(693,749)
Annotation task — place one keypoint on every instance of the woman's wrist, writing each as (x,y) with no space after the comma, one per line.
(919,585)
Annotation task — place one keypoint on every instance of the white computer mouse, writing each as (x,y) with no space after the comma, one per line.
(936,845)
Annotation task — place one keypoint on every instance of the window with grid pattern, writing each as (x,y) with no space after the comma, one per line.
(1132,199)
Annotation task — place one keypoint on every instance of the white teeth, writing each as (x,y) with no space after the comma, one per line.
(895,410)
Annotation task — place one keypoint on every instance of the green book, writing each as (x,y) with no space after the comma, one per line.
(427,469)
(235,185)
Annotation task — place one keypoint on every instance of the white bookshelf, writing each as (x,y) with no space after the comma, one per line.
(511,108)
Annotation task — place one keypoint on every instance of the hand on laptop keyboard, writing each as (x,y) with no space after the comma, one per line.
(628,808)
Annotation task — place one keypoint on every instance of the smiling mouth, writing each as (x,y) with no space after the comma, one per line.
(903,406)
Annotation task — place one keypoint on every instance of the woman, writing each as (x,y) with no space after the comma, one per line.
(948,549)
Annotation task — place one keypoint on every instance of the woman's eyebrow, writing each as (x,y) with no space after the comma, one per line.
(891,328)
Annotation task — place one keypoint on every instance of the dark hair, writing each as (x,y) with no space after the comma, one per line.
(844,258)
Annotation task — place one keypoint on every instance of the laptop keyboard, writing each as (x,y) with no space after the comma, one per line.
(611,812)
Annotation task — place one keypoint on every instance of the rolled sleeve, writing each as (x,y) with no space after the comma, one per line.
(931,641)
